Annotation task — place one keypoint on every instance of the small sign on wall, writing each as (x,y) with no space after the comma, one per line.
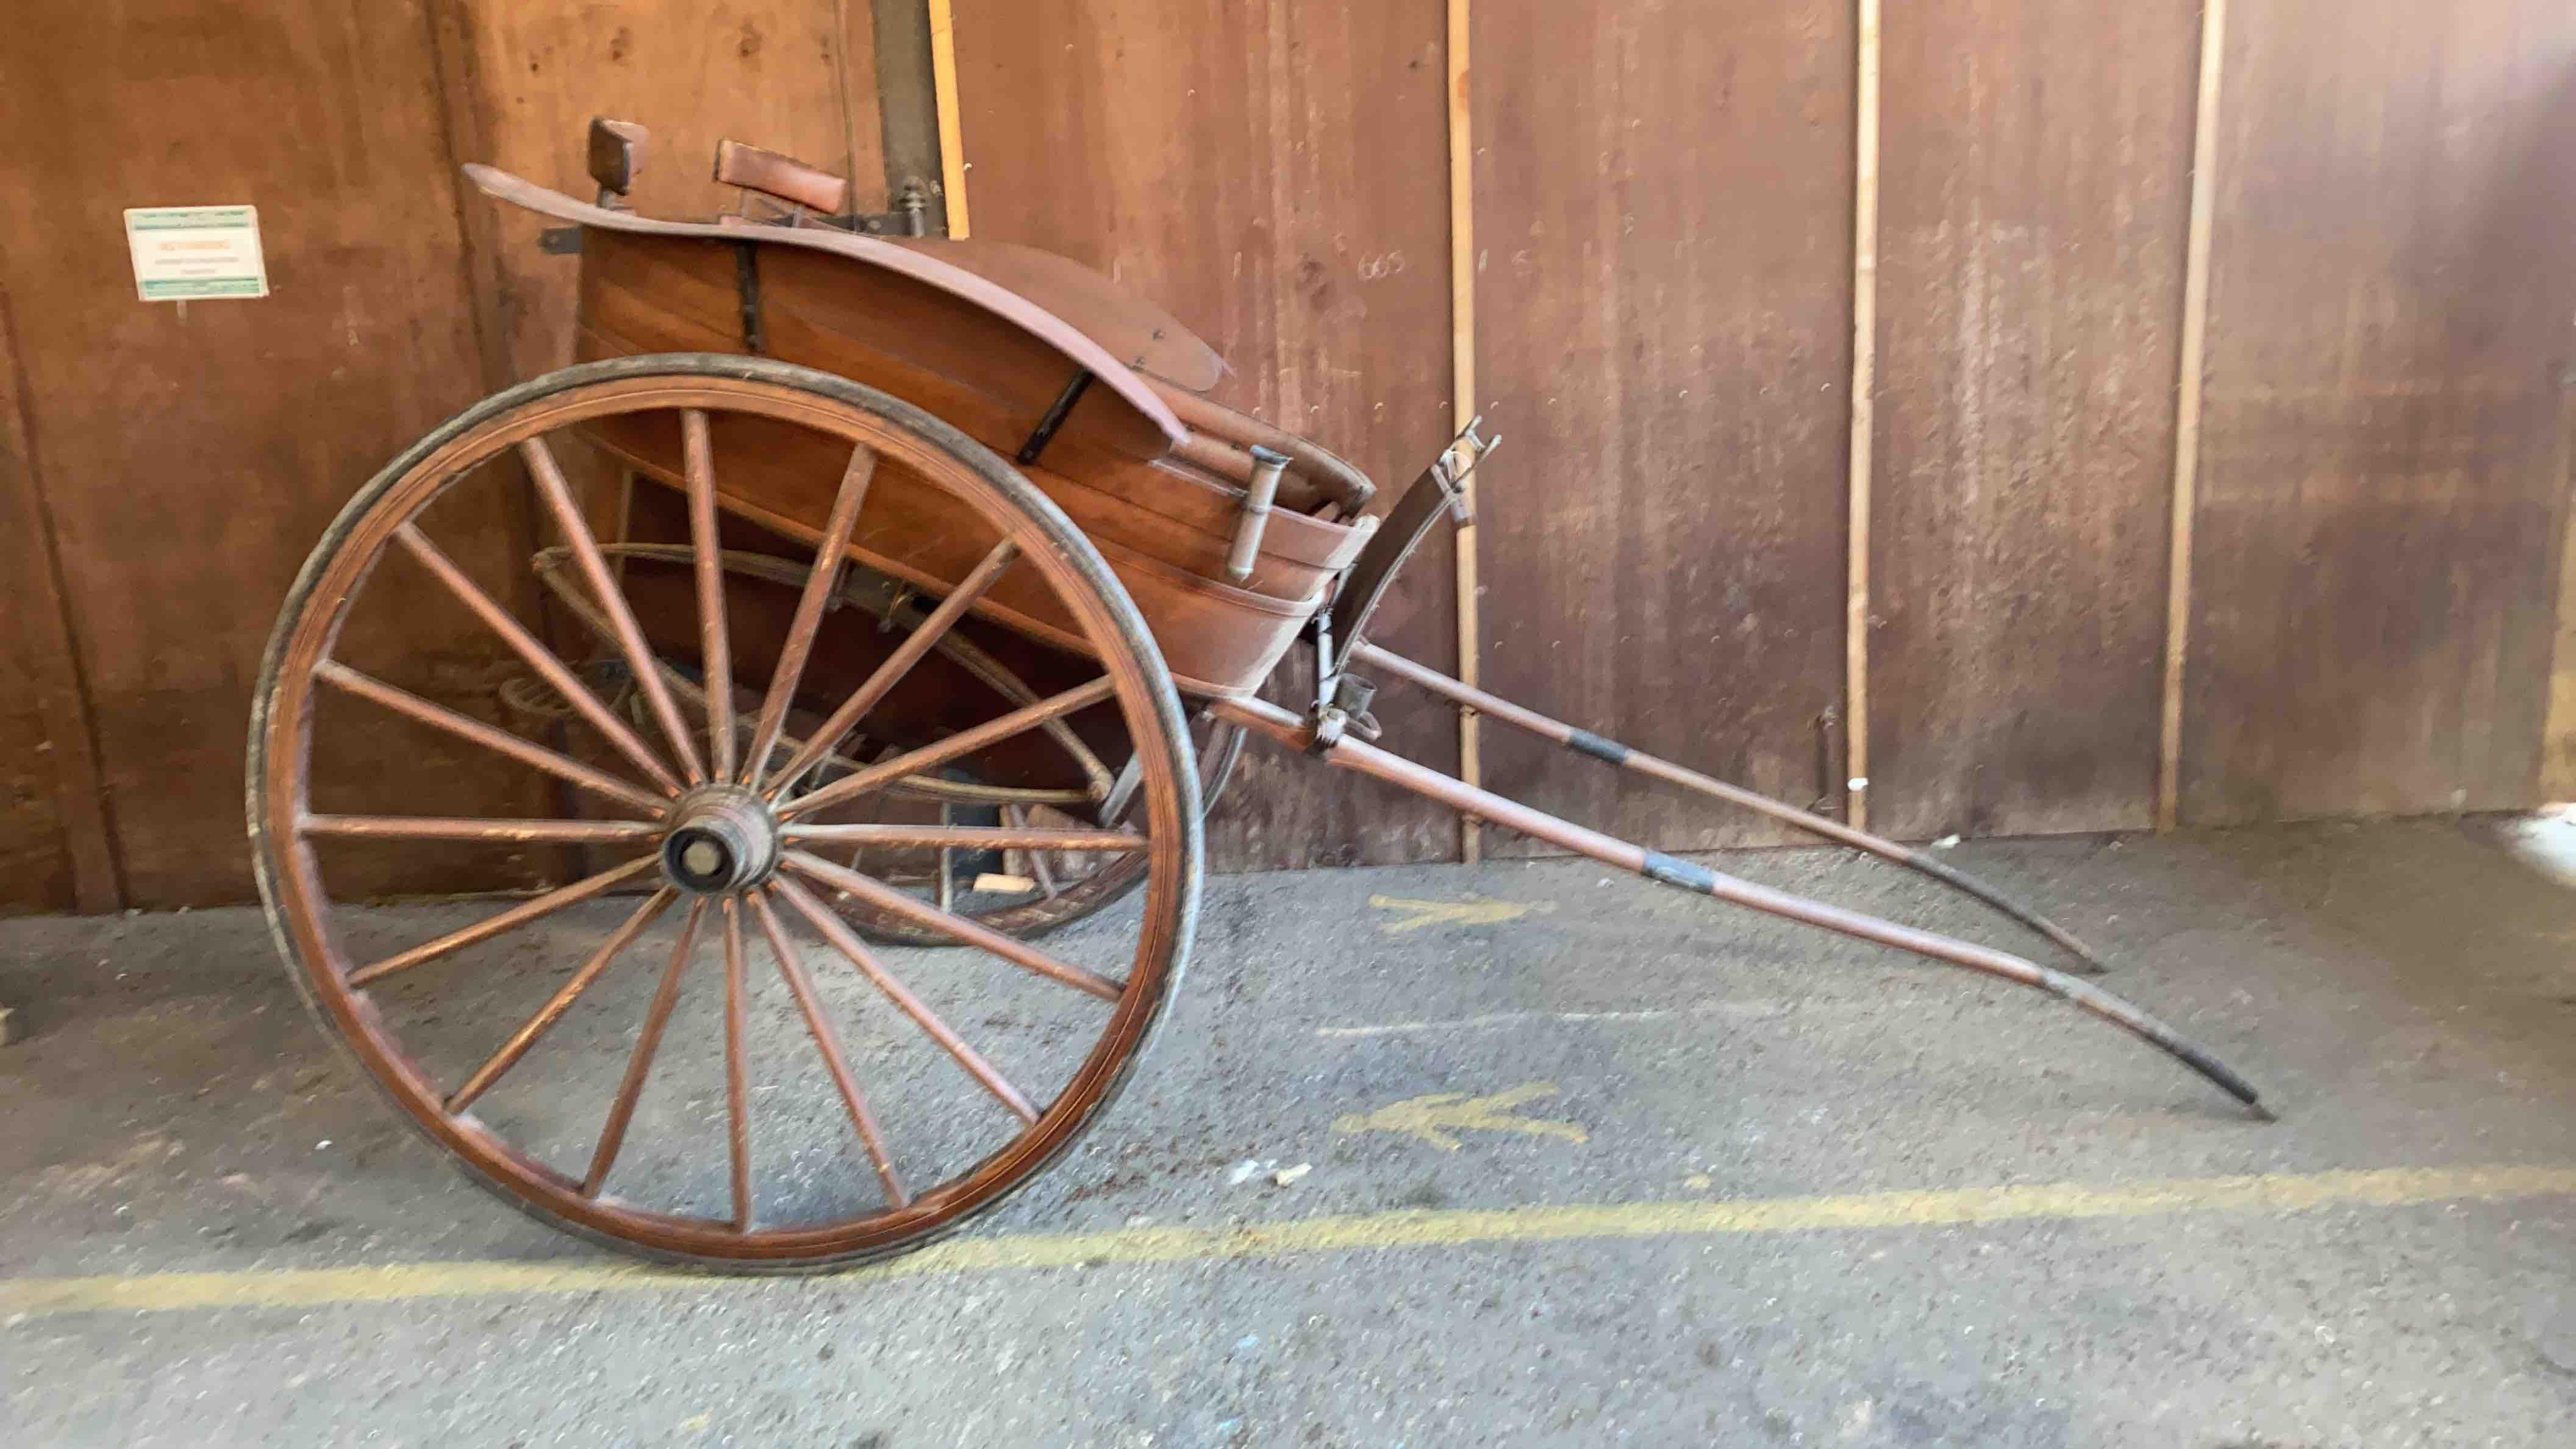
(185,253)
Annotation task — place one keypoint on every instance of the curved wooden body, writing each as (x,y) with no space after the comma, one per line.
(1150,491)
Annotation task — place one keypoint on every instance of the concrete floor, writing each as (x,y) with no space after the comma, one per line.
(1763,1209)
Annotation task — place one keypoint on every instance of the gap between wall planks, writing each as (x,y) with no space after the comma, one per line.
(1462,352)
(2186,476)
(52,652)
(1864,417)
(952,133)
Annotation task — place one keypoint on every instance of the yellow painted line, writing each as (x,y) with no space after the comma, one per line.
(1751,1010)
(1364,1232)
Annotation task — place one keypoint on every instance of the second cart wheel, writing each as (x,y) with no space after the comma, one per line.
(1044,890)
(1059,887)
(687,1052)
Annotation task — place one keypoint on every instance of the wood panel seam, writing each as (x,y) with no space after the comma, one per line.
(1462,350)
(952,129)
(460,79)
(2186,471)
(1864,416)
(87,814)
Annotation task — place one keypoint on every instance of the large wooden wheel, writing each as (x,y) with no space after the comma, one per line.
(700,1107)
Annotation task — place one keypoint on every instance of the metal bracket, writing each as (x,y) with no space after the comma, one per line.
(746,276)
(1352,697)
(910,217)
(1460,459)
(1056,413)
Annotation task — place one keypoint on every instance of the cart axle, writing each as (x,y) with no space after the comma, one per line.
(723,839)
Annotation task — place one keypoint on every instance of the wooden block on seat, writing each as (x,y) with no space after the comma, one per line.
(782,177)
(616,154)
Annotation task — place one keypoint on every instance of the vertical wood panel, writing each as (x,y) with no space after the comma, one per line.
(1469,404)
(2037,170)
(1665,249)
(35,858)
(55,854)
(1273,173)
(2382,481)
(195,453)
(1860,487)
(523,81)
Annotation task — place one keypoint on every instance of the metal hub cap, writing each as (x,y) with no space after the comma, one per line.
(722,839)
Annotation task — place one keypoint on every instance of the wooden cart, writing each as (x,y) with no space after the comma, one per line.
(900,592)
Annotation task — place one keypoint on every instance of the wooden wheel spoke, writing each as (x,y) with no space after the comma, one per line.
(737,1075)
(957,928)
(819,585)
(639,1065)
(515,832)
(507,921)
(800,984)
(1036,855)
(965,742)
(898,664)
(499,741)
(500,1062)
(716,643)
(848,944)
(612,601)
(538,657)
(967,837)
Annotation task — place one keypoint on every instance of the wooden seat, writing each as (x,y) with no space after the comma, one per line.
(1174,361)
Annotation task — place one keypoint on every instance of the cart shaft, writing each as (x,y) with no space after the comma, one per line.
(1288,731)
(1609,751)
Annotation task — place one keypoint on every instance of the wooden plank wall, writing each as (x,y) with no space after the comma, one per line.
(193,453)
(2383,479)
(522,82)
(1663,224)
(54,852)
(1662,203)
(1272,173)
(2034,176)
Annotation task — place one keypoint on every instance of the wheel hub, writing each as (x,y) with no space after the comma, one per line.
(723,838)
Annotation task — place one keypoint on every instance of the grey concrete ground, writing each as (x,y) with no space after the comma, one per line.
(2404,993)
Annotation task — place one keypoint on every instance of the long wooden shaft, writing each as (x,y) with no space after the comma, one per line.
(1288,731)
(1610,751)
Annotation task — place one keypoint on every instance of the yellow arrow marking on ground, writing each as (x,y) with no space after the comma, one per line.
(1469,912)
(1437,1119)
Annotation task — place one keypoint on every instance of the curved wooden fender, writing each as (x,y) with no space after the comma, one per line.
(1077,346)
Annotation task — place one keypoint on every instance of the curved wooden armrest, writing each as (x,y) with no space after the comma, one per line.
(1224,440)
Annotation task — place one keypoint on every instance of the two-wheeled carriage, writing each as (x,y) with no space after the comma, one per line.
(889,593)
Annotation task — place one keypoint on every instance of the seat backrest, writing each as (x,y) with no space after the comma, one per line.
(616,156)
(782,177)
